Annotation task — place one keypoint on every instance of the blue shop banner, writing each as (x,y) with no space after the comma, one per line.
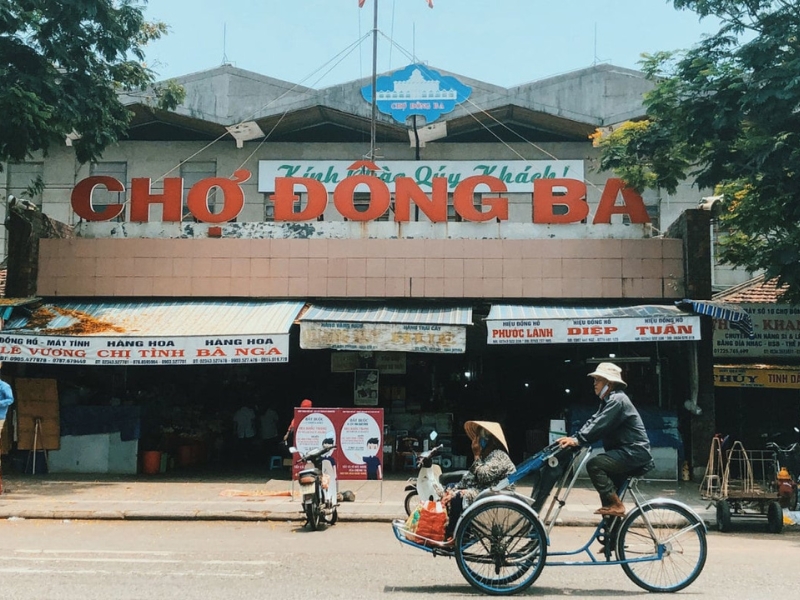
(417,90)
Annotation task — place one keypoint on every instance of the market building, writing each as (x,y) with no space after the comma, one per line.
(251,248)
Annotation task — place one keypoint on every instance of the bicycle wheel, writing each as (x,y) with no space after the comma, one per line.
(500,547)
(669,559)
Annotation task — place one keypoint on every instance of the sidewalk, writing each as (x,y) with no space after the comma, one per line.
(271,496)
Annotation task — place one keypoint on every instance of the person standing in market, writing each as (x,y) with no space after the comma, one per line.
(6,400)
(625,443)
(268,430)
(244,430)
(293,425)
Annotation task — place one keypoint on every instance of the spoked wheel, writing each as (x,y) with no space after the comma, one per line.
(412,500)
(313,514)
(500,547)
(774,517)
(672,556)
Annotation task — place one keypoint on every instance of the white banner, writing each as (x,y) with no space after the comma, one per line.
(446,339)
(586,331)
(195,350)
(518,175)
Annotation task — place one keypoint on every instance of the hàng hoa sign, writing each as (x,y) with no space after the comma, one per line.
(555,200)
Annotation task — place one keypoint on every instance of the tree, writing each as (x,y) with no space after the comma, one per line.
(727,112)
(62,65)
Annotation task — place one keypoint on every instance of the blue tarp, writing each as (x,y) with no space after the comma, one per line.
(89,420)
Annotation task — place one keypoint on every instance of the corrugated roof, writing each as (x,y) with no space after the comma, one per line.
(512,312)
(754,291)
(153,319)
(459,315)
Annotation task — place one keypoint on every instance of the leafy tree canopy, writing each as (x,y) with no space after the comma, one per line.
(62,65)
(727,112)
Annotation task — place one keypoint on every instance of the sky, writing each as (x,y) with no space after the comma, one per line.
(318,43)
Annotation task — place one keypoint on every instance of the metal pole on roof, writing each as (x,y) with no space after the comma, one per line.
(374,81)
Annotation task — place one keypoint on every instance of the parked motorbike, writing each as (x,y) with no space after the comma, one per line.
(788,476)
(430,482)
(317,487)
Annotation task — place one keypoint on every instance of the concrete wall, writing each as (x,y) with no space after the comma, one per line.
(362,268)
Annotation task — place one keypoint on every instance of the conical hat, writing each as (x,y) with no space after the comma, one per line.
(471,427)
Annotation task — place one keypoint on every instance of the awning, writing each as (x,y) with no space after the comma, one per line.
(9,304)
(738,317)
(150,333)
(517,324)
(386,328)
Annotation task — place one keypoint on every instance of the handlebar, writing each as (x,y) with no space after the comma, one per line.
(786,449)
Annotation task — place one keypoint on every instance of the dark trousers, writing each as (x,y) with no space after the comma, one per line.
(608,473)
(454,510)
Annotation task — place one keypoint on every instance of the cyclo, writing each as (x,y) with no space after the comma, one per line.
(501,543)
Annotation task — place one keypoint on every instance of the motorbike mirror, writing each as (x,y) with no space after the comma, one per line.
(292,449)
(433,435)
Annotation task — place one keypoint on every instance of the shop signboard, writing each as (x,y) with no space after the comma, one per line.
(558,188)
(776,333)
(178,350)
(787,378)
(356,432)
(403,337)
(593,331)
(416,90)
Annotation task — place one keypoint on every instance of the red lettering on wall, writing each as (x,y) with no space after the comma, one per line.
(463,199)
(633,204)
(82,198)
(407,191)
(545,200)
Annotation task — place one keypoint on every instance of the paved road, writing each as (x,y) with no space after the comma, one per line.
(144,560)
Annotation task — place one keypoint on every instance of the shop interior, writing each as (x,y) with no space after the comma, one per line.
(186,412)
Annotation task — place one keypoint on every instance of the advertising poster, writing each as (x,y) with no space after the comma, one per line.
(357,434)
(365,387)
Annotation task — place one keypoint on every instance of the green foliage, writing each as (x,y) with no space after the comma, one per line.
(727,112)
(61,67)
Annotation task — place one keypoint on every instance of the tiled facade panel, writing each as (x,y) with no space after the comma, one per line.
(361,268)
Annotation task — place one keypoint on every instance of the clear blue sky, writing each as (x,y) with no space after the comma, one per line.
(504,42)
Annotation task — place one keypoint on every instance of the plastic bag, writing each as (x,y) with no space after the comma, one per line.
(432,521)
(411,523)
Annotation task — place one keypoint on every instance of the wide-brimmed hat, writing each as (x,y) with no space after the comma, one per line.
(609,372)
(472,427)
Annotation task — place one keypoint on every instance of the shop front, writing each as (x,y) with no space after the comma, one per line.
(101,384)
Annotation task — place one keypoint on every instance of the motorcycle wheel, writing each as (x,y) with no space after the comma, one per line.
(412,500)
(313,513)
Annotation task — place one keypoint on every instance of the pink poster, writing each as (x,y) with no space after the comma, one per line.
(356,432)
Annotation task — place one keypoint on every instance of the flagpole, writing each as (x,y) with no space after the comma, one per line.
(374,81)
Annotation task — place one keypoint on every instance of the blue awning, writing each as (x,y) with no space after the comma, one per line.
(734,314)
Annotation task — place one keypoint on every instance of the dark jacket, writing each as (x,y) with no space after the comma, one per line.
(618,424)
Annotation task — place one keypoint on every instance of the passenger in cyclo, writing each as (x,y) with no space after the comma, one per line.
(491,465)
(625,443)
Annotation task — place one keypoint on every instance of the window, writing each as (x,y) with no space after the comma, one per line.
(101,197)
(22,180)
(192,172)
(361,202)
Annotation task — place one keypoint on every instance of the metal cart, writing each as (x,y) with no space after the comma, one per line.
(743,484)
